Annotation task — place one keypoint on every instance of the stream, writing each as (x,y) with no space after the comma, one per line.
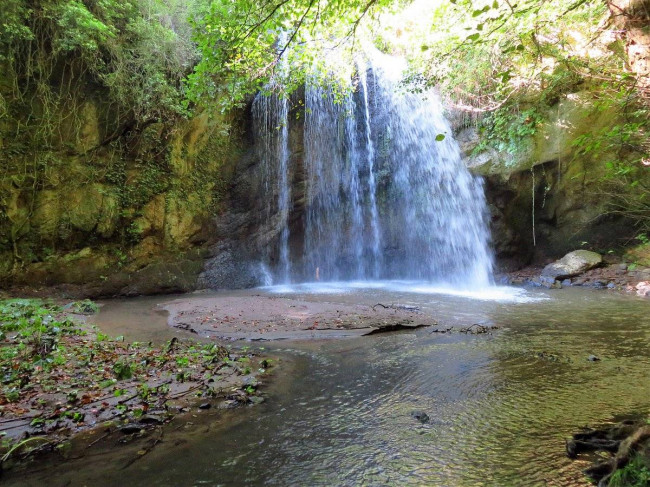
(341,411)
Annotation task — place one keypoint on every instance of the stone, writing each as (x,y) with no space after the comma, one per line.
(229,404)
(229,269)
(643,288)
(550,282)
(566,282)
(572,264)
(421,416)
(611,285)
(151,419)
(256,399)
(593,358)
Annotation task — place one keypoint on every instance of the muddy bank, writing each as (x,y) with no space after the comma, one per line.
(258,317)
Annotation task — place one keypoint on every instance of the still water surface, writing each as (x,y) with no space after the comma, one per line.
(339,412)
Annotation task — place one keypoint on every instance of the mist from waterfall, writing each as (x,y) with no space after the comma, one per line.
(386,195)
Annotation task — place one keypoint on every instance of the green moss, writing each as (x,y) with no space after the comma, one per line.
(640,254)
(506,129)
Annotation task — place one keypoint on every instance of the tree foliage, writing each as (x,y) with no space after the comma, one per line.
(500,61)
(245,43)
(507,65)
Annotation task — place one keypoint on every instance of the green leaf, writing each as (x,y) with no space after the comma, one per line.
(476,13)
(440,137)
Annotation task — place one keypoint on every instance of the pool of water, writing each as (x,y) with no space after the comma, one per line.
(340,412)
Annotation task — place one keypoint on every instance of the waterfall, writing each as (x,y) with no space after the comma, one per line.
(436,207)
(386,193)
(375,237)
(271,129)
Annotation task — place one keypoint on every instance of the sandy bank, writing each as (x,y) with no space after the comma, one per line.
(260,317)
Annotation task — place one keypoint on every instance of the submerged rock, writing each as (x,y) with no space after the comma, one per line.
(421,416)
(572,264)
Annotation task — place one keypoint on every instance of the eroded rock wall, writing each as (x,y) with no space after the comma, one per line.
(106,210)
(547,198)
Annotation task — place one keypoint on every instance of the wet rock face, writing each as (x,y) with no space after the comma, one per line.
(545,198)
(229,269)
(249,228)
(572,264)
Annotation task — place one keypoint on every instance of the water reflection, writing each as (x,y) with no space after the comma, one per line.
(500,405)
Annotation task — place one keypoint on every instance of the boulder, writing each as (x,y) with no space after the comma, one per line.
(572,264)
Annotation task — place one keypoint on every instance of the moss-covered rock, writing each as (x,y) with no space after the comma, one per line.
(181,223)
(548,197)
(554,138)
(106,200)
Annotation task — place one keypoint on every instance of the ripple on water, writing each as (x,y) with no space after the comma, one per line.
(500,405)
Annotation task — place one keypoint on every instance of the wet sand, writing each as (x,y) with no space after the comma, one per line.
(258,317)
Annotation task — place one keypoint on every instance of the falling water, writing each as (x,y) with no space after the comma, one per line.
(331,187)
(436,208)
(386,193)
(270,115)
(375,241)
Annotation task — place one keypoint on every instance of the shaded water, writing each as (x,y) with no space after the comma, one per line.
(501,405)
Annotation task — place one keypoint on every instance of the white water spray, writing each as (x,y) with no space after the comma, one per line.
(386,193)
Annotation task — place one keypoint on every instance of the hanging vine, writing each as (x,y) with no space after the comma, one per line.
(126,60)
